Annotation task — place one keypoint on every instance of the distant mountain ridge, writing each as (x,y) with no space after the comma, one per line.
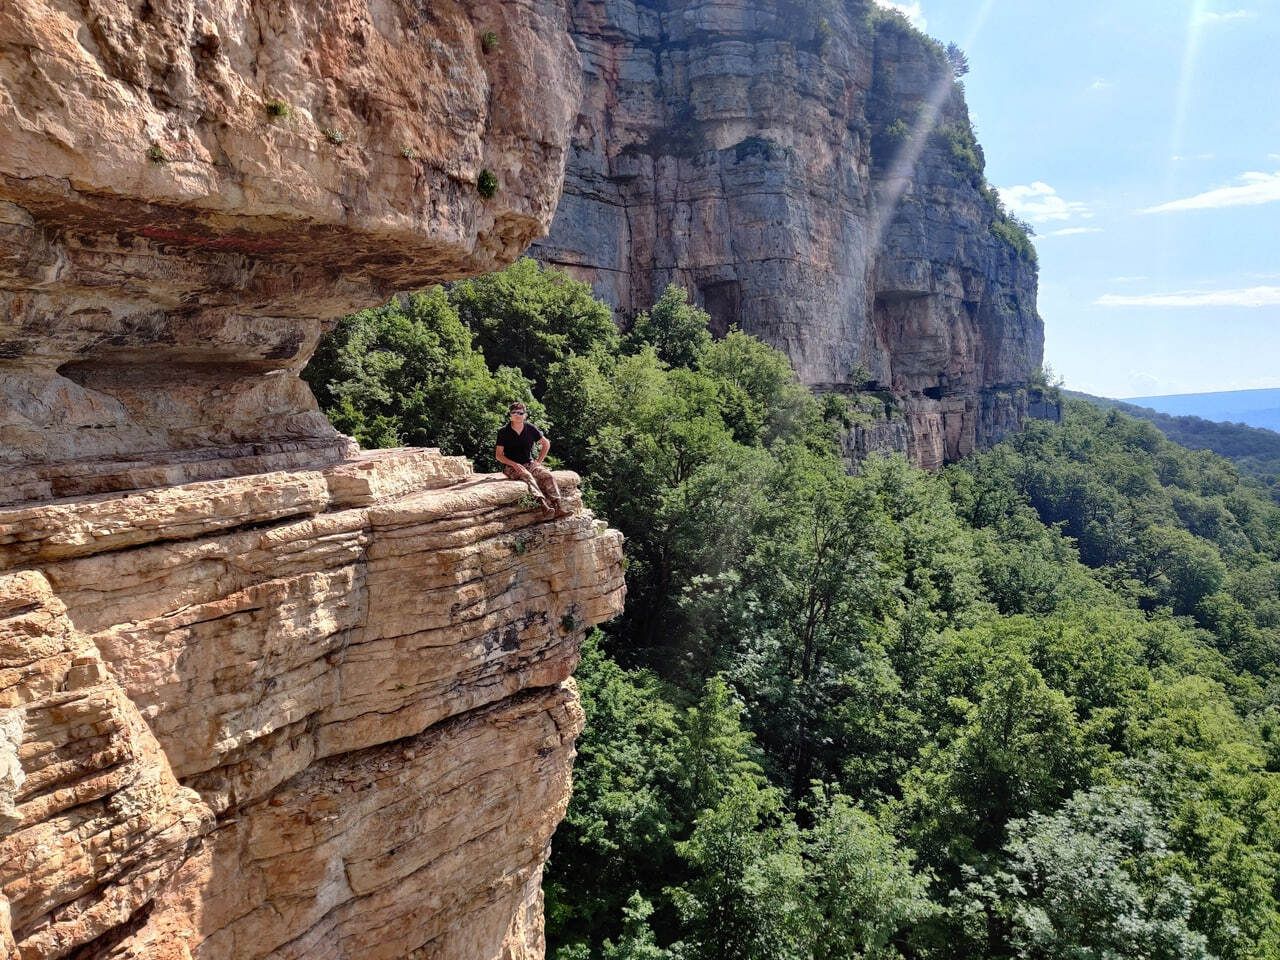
(1254,450)
(1257,408)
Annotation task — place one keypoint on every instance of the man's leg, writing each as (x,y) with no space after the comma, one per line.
(520,473)
(549,488)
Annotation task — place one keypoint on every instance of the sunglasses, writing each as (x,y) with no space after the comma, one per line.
(517,413)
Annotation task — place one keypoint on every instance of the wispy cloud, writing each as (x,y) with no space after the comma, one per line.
(1127,279)
(1208,16)
(1252,189)
(1040,203)
(1069,231)
(1100,83)
(1248,297)
(909,10)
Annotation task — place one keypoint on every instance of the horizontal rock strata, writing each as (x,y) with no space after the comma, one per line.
(190,189)
(808,172)
(313,713)
(261,694)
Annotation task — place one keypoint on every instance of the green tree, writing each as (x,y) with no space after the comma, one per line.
(637,941)
(714,750)
(676,329)
(746,898)
(1097,880)
(619,828)
(1014,749)
(531,317)
(407,373)
(860,882)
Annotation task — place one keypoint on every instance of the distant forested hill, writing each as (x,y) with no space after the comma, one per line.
(1254,450)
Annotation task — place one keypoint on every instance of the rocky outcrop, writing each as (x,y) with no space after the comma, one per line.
(190,188)
(261,694)
(316,713)
(807,169)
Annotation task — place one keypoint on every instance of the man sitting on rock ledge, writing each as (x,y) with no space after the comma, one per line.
(515,452)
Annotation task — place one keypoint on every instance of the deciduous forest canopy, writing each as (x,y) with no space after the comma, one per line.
(1023,707)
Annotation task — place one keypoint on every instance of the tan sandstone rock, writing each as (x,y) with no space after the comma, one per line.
(189,189)
(261,694)
(224,685)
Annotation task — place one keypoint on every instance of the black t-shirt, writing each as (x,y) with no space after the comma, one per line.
(517,446)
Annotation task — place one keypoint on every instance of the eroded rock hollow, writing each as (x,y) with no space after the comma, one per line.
(807,169)
(263,694)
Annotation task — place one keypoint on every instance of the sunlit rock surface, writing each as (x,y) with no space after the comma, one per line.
(313,713)
(790,164)
(189,189)
(262,694)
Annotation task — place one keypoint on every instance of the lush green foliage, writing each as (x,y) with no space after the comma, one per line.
(1026,707)
(407,374)
(1255,451)
(529,318)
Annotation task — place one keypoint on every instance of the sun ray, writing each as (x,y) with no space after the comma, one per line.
(1190,52)
(904,164)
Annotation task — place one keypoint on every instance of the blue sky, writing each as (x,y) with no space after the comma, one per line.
(1141,139)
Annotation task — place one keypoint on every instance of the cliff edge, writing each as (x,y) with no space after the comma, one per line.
(807,169)
(263,694)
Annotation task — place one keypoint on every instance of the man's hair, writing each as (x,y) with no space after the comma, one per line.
(517,406)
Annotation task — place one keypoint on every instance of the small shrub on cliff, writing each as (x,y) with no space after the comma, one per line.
(278,109)
(335,136)
(964,148)
(156,154)
(1017,235)
(489,42)
(487,183)
(898,131)
(408,152)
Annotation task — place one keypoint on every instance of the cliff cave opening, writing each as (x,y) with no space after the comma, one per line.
(721,301)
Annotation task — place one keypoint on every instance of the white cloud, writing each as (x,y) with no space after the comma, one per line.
(1127,279)
(1208,16)
(1039,203)
(1069,231)
(909,10)
(1273,156)
(1100,83)
(1248,297)
(1252,189)
(1144,379)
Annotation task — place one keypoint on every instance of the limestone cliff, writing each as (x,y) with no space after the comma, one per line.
(261,694)
(807,169)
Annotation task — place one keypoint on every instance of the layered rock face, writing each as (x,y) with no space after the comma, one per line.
(261,694)
(189,187)
(315,713)
(807,171)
